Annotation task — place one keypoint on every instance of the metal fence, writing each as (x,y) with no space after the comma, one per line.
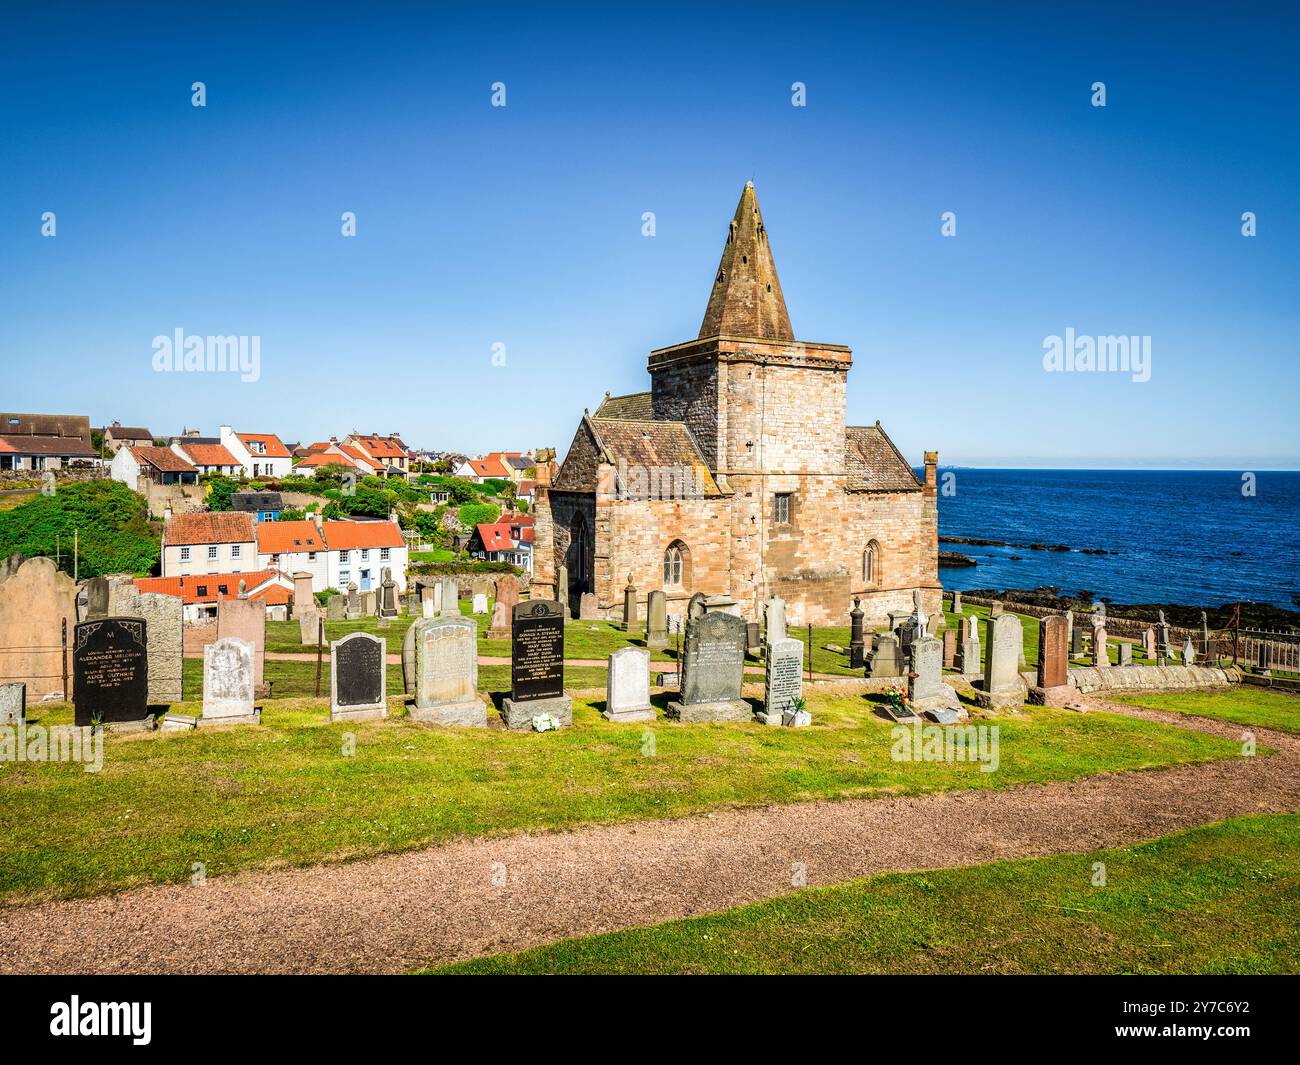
(1270,650)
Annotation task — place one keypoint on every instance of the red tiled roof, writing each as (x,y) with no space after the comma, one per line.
(488,467)
(209,454)
(47,445)
(360,456)
(187,588)
(346,535)
(272,448)
(525,487)
(495,537)
(321,458)
(220,527)
(383,446)
(278,537)
(163,459)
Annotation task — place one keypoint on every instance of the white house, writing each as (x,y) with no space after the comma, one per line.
(259,454)
(207,457)
(201,543)
(360,551)
(295,547)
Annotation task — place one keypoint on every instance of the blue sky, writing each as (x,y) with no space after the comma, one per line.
(522,225)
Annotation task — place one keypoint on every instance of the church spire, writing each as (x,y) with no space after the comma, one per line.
(746,299)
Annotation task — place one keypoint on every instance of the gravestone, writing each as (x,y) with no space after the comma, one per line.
(228,677)
(938,623)
(1076,642)
(996,610)
(627,694)
(244,619)
(562,591)
(629,606)
(408,659)
(896,618)
(96,598)
(163,616)
(358,678)
(724,604)
(589,607)
(449,599)
(1164,638)
(536,666)
(956,602)
(13,704)
(479,603)
(507,598)
(413,608)
(774,624)
(969,650)
(926,690)
(1125,654)
(884,659)
(110,673)
(369,604)
(712,671)
(695,608)
(336,608)
(278,612)
(446,673)
(1053,652)
(908,631)
(354,602)
(857,644)
(1189,652)
(1001,687)
(1069,628)
(1205,635)
(783,681)
(949,648)
(1100,656)
(389,607)
(1149,643)
(308,626)
(919,620)
(753,638)
(36,601)
(656,620)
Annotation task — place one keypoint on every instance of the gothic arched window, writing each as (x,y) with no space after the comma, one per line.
(871,565)
(677,565)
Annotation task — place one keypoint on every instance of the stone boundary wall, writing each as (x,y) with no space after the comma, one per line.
(10,479)
(1150,678)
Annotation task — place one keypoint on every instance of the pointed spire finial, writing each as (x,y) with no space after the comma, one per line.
(746,299)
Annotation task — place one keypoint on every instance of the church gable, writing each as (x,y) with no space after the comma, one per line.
(647,452)
(637,405)
(874,463)
(578,473)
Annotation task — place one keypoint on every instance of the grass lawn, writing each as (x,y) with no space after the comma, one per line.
(1224,898)
(285,793)
(1242,704)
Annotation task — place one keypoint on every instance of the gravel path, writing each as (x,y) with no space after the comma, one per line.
(399,912)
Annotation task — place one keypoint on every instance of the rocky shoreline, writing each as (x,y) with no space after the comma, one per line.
(976,541)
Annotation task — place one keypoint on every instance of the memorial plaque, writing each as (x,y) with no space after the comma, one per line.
(627,695)
(110,672)
(358,681)
(537,651)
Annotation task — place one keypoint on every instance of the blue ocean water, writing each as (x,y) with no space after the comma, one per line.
(1189,537)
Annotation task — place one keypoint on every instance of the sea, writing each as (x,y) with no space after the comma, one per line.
(1197,538)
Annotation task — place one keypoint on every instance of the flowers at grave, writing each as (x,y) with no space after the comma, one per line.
(545,723)
(897,696)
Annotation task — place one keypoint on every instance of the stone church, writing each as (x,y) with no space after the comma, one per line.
(736,475)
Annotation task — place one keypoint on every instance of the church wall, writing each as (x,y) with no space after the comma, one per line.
(689,393)
(793,415)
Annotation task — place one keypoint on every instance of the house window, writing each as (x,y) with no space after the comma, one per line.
(275,561)
(311,556)
(235,550)
(185,554)
(781,508)
(345,578)
(345,556)
(383,554)
(202,590)
(677,565)
(223,589)
(212,552)
(365,554)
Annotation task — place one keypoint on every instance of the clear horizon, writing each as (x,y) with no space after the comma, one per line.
(522,226)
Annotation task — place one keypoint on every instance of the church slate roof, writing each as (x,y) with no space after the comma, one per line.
(636,443)
(637,405)
(874,463)
(746,300)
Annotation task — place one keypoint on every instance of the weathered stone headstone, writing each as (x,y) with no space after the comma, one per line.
(627,695)
(1069,628)
(244,619)
(503,609)
(1100,656)
(96,598)
(449,600)
(919,619)
(536,666)
(562,591)
(995,611)
(656,619)
(1076,642)
(1164,638)
(369,604)
(969,650)
(110,672)
(354,602)
(479,604)
(724,604)
(926,690)
(163,616)
(13,704)
(857,644)
(1149,643)
(753,638)
(408,659)
(629,606)
(949,647)
(712,671)
(1001,687)
(308,626)
(36,601)
(588,607)
(446,673)
(774,619)
(937,624)
(956,602)
(695,608)
(1053,652)
(336,608)
(358,678)
(1189,652)
(783,682)
(896,618)
(884,659)
(389,607)
(1126,654)
(228,678)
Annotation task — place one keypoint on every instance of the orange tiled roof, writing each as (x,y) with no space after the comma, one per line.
(346,535)
(188,588)
(496,537)
(326,458)
(489,467)
(209,454)
(383,446)
(360,456)
(272,448)
(163,459)
(220,527)
(278,537)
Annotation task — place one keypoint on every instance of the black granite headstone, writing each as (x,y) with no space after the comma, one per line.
(110,671)
(359,672)
(537,650)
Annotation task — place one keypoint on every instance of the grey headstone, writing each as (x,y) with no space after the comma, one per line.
(13,703)
(228,683)
(656,619)
(774,619)
(446,672)
(1001,686)
(627,696)
(712,671)
(783,680)
(358,678)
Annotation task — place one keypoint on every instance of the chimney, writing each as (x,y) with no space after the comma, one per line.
(167,515)
(543,464)
(931,474)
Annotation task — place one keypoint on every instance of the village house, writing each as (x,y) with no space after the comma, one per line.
(736,474)
(160,464)
(118,436)
(487,468)
(340,456)
(45,441)
(359,552)
(207,456)
(510,539)
(265,506)
(388,452)
(294,547)
(201,594)
(258,454)
(209,543)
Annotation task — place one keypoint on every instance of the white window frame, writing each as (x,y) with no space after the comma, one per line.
(214,552)
(185,554)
